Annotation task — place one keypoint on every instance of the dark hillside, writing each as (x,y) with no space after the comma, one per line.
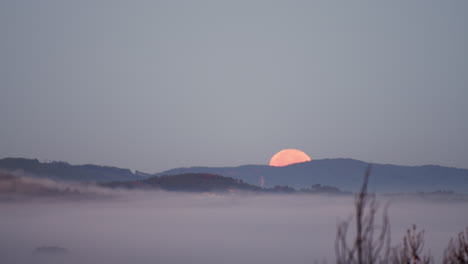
(59,170)
(192,182)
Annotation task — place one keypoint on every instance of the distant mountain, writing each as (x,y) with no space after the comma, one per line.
(191,182)
(64,171)
(346,174)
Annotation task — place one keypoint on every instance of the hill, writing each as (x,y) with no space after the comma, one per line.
(191,182)
(204,182)
(346,174)
(59,170)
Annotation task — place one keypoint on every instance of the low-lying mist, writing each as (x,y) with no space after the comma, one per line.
(162,227)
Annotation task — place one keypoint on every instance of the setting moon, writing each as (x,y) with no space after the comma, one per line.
(287,157)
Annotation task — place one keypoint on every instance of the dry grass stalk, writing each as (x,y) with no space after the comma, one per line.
(369,246)
(457,250)
(410,251)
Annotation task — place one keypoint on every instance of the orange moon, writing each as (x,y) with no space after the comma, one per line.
(287,157)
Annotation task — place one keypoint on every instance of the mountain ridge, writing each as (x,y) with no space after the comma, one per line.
(325,159)
(343,173)
(60,170)
(346,174)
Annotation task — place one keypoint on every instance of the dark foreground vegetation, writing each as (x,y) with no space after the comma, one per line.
(371,242)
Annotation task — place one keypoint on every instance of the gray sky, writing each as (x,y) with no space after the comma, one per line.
(153,85)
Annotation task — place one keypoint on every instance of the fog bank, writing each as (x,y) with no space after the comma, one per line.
(204,228)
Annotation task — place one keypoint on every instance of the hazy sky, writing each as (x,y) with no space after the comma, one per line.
(153,85)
